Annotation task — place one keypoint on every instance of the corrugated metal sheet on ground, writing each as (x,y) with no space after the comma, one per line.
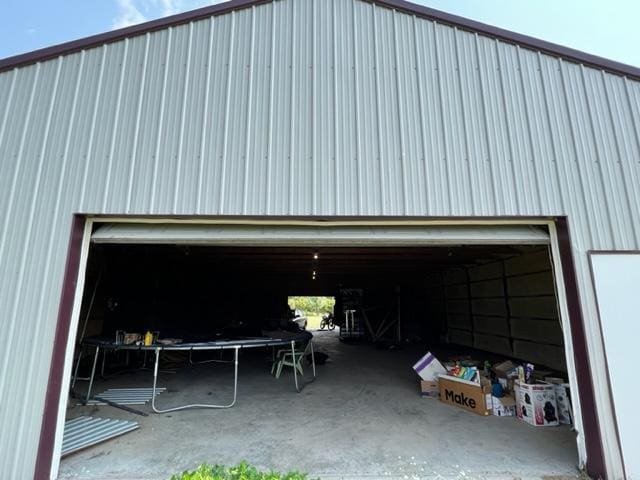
(126,396)
(83,432)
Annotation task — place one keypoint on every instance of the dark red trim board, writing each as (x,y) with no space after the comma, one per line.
(400,5)
(54,387)
(593,439)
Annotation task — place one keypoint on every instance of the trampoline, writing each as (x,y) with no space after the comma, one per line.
(285,339)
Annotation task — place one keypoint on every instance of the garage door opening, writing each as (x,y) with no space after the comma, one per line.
(469,304)
(314,312)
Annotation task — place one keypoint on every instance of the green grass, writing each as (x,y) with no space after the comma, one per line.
(242,471)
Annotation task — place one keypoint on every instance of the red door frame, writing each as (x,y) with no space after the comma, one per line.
(593,439)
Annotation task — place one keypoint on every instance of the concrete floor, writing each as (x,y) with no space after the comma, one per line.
(362,418)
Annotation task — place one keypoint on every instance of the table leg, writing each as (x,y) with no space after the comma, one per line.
(195,405)
(155,381)
(313,359)
(75,374)
(295,370)
(104,358)
(93,372)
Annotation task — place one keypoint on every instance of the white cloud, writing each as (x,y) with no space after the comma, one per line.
(31,31)
(128,14)
(131,12)
(169,7)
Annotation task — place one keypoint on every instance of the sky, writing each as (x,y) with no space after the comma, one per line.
(607,28)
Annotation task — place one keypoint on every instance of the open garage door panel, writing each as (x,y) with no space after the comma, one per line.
(248,235)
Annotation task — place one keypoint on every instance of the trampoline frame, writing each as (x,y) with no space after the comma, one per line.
(235,345)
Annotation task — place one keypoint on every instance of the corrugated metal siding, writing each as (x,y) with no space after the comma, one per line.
(302,107)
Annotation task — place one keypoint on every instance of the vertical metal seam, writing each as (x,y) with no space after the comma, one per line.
(225,137)
(512,159)
(539,187)
(383,197)
(183,114)
(487,138)
(272,69)
(421,114)
(634,227)
(634,123)
(14,181)
(249,111)
(92,130)
(465,127)
(472,320)
(445,160)
(574,141)
(7,107)
(205,117)
(476,150)
(636,134)
(132,168)
(445,303)
(598,155)
(507,305)
(67,142)
(314,112)
(292,108)
(30,221)
(552,141)
(334,40)
(357,111)
(399,97)
(116,121)
(163,97)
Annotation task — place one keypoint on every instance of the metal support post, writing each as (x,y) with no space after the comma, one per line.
(93,372)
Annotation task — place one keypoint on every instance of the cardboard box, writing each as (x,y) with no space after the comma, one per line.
(563,399)
(471,396)
(503,406)
(536,404)
(502,369)
(539,374)
(429,388)
(429,368)
(505,376)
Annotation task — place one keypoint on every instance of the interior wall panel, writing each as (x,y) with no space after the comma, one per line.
(508,302)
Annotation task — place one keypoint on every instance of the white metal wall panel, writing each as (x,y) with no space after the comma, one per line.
(299,107)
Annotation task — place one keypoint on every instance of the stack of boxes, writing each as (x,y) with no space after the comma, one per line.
(540,403)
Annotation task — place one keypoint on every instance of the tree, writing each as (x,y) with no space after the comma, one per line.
(312,305)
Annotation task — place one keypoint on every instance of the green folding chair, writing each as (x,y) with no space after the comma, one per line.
(285,358)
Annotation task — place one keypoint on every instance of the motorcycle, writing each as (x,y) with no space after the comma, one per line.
(327,322)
